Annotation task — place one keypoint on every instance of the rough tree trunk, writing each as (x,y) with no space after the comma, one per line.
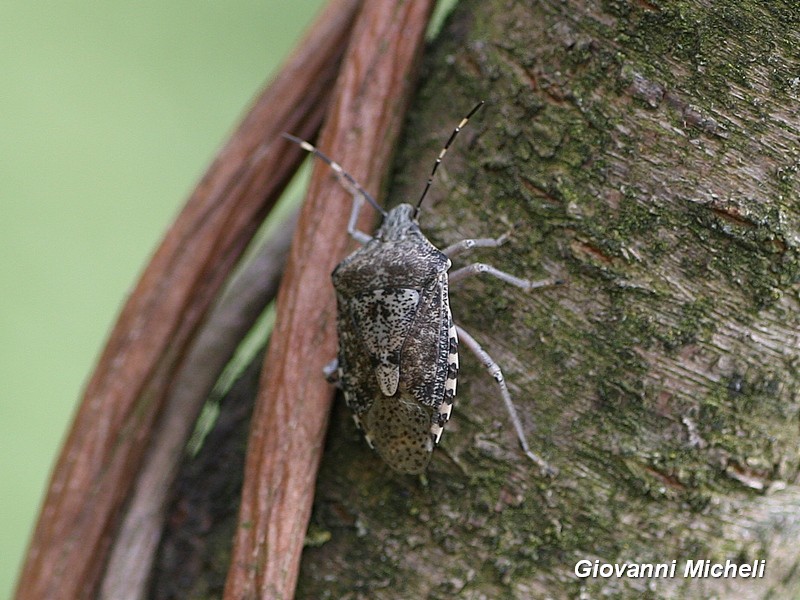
(648,153)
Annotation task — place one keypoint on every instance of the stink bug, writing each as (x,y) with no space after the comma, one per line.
(398,345)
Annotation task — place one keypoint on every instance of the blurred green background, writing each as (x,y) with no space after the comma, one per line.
(110,113)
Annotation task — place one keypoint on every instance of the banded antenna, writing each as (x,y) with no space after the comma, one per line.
(443,152)
(343,176)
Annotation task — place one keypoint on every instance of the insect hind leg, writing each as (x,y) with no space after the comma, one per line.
(494,370)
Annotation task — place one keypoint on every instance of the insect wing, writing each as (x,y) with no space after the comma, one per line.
(423,361)
(383,318)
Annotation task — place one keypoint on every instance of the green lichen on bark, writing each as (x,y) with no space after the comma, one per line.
(647,152)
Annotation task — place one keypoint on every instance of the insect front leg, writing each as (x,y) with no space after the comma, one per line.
(358,235)
(494,370)
(465,245)
(478,268)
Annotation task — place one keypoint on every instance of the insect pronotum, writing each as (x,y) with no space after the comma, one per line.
(398,344)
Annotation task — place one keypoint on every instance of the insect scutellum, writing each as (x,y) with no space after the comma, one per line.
(398,345)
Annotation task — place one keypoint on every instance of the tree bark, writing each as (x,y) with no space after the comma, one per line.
(647,152)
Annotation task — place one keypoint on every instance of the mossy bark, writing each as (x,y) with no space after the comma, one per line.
(646,152)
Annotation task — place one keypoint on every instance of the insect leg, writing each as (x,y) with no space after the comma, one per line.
(358,235)
(465,245)
(494,371)
(478,268)
(331,372)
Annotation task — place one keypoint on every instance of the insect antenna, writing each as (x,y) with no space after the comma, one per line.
(443,152)
(343,176)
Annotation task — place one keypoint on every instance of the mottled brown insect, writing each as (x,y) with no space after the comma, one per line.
(398,345)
